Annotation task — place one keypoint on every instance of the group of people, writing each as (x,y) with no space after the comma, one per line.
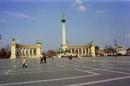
(42,60)
(70,57)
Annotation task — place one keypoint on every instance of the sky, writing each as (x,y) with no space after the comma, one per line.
(100,21)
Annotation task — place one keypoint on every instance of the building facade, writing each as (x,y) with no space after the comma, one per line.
(20,50)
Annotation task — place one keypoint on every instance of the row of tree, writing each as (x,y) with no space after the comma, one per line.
(51,53)
(5,53)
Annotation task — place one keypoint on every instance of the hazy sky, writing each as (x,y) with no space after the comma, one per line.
(86,20)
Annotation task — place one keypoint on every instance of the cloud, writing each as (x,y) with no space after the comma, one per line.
(79,5)
(22,15)
(101,11)
(82,8)
(128,35)
(76,2)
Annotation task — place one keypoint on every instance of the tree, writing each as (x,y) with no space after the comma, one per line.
(5,52)
(67,51)
(51,53)
(60,50)
(109,51)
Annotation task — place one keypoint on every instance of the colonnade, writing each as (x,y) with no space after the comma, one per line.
(80,51)
(28,52)
(19,50)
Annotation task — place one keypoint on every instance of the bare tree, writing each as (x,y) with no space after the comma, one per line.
(51,53)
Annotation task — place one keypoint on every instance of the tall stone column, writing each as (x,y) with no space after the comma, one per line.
(63,33)
(13,49)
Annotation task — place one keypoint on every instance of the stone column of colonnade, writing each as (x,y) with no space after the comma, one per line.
(30,52)
(81,52)
(85,52)
(88,50)
(78,52)
(22,52)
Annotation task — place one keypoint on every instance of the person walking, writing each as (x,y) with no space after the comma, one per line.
(24,62)
(41,59)
(70,57)
(44,58)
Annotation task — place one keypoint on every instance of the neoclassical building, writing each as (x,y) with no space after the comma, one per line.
(79,50)
(21,50)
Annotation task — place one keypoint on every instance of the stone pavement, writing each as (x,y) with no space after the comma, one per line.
(87,71)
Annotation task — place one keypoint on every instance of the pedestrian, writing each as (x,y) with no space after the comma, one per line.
(70,57)
(44,58)
(24,62)
(116,55)
(41,59)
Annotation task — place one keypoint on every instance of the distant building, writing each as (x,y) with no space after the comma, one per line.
(120,49)
(128,51)
(101,52)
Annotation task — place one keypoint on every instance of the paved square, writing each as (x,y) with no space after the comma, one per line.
(87,71)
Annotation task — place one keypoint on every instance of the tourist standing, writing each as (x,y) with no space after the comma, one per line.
(41,59)
(44,58)
(70,57)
